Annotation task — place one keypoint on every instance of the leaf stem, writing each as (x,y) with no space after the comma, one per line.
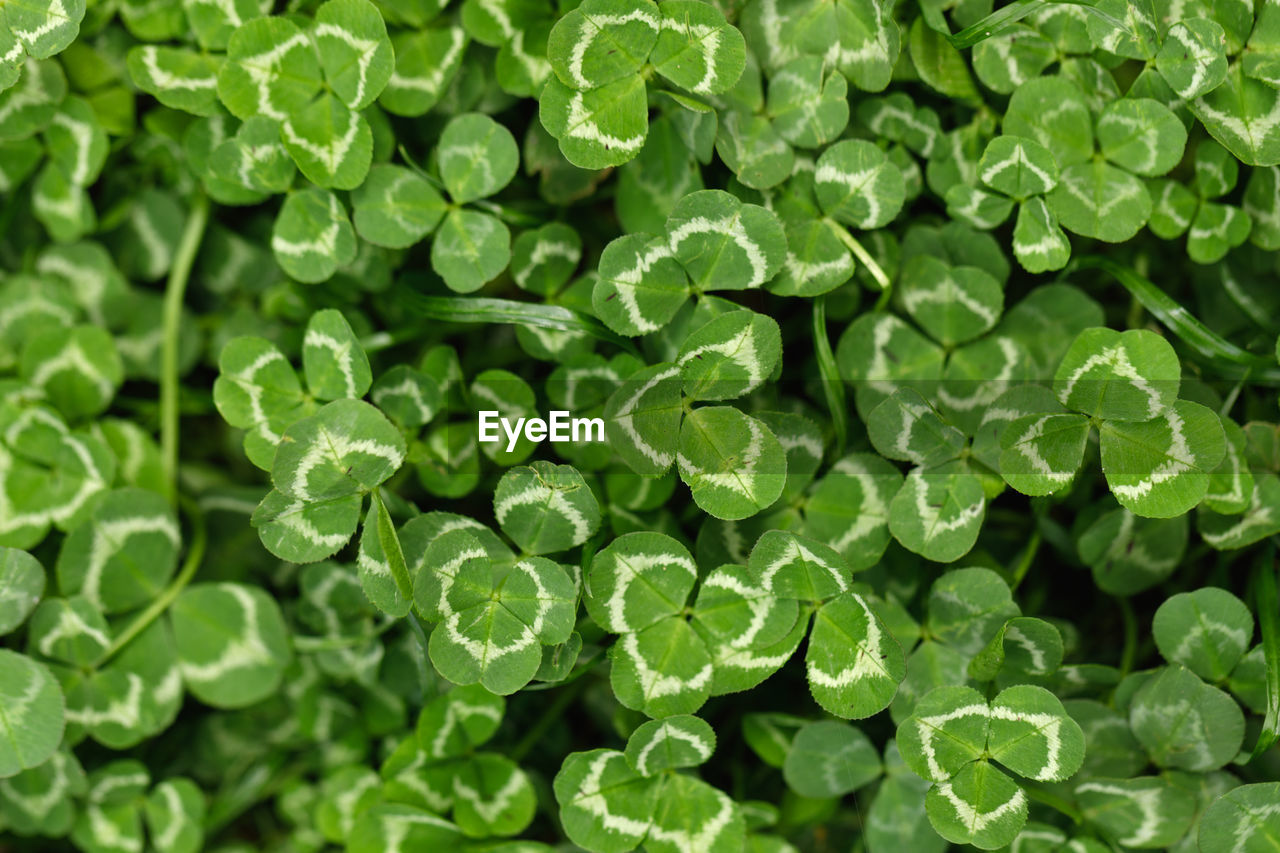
(1053,801)
(860,252)
(1230,402)
(195,554)
(174,293)
(549,717)
(1028,557)
(1130,651)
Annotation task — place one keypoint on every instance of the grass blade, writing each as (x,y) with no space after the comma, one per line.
(1178,319)
(459,309)
(832,384)
(1267,604)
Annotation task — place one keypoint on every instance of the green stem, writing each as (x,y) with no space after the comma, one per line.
(1053,801)
(549,717)
(860,252)
(199,539)
(1028,556)
(1130,652)
(174,293)
(1230,402)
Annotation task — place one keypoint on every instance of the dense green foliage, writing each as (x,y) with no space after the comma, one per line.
(935,350)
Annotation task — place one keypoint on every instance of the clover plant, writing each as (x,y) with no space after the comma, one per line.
(689,426)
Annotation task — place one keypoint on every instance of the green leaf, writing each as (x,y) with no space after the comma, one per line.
(662,670)
(1129,554)
(1208,631)
(354,51)
(945,733)
(791,566)
(175,813)
(640,286)
(1008,59)
(670,743)
(848,508)
(1100,201)
(495,622)
(1040,454)
(1032,735)
(1192,59)
(71,630)
(384,573)
(470,249)
(257,390)
(906,427)
(1161,468)
(1242,819)
(231,641)
(331,143)
(604,805)
(1052,111)
(692,815)
(856,184)
(879,352)
(830,759)
(1118,376)
(255,158)
(697,49)
(1260,520)
(335,364)
(808,104)
(426,63)
(552,252)
(1184,723)
(638,580)
(1018,167)
(642,419)
(938,511)
(740,614)
(967,606)
(730,356)
(1022,646)
(181,79)
(312,236)
(953,304)
(545,508)
(724,244)
(42,28)
(395,207)
(733,464)
(346,448)
(124,554)
(598,128)
(271,70)
(477,157)
(1241,114)
(1141,135)
(1216,229)
(853,663)
(603,41)
(752,147)
(492,796)
(22,582)
(78,368)
(979,806)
